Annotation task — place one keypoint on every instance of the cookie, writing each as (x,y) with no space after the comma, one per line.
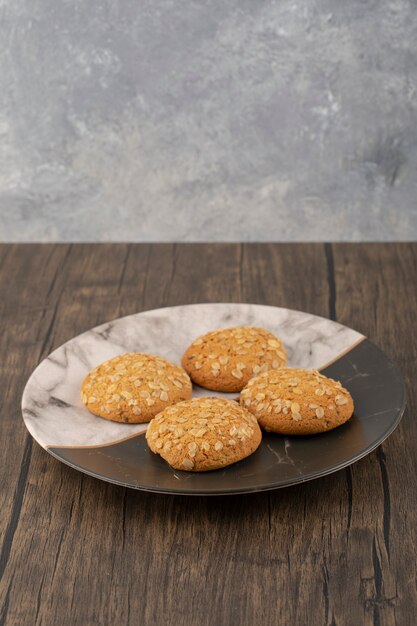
(292,401)
(204,434)
(226,359)
(134,387)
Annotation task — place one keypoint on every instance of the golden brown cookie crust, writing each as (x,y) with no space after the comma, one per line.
(134,387)
(204,434)
(293,401)
(226,359)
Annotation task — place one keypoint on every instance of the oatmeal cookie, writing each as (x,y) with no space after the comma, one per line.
(204,434)
(134,387)
(226,359)
(292,401)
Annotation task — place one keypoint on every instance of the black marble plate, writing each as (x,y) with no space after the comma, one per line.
(371,377)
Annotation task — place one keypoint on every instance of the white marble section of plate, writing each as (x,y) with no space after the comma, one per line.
(51,403)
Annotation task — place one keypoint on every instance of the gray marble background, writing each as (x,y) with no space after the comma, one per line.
(208,120)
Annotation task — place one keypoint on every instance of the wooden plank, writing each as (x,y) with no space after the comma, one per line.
(377,293)
(80,551)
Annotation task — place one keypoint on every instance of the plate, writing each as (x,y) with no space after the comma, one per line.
(118,453)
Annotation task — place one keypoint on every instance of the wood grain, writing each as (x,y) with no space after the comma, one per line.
(336,551)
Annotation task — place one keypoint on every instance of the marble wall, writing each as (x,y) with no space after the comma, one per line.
(208,120)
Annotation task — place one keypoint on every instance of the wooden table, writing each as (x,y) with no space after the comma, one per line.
(335,551)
